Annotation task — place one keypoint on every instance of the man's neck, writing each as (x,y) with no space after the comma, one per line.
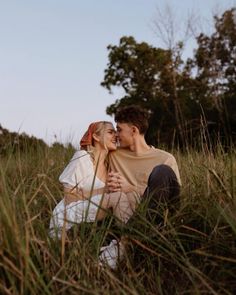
(140,146)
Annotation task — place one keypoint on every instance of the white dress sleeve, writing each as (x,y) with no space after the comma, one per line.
(78,173)
(78,170)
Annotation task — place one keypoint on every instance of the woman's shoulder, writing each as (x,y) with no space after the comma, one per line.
(79,164)
(81,155)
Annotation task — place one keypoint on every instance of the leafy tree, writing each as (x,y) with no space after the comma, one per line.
(147,76)
(215,61)
(177,94)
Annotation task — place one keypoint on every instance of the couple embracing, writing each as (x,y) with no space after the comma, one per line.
(101,177)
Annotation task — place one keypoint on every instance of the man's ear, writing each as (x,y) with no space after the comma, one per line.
(135,130)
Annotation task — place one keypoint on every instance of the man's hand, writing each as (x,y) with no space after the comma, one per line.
(117,182)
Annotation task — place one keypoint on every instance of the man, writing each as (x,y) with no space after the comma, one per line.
(142,172)
(136,166)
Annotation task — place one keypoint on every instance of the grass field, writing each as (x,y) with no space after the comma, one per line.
(194,252)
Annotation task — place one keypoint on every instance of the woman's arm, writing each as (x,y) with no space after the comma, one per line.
(75,194)
(72,195)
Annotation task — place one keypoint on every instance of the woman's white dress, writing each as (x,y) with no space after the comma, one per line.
(80,174)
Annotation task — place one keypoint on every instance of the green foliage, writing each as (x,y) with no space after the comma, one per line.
(134,66)
(13,141)
(215,60)
(146,74)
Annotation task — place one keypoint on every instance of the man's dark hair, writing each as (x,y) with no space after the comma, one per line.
(134,115)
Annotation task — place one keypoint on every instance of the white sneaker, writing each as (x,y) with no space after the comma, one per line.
(111,254)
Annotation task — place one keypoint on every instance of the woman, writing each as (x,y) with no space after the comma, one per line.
(84,182)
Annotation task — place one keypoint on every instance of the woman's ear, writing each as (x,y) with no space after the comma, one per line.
(95,137)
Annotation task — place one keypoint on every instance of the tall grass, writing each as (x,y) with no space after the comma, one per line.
(192,252)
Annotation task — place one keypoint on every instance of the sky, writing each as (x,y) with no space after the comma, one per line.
(53,54)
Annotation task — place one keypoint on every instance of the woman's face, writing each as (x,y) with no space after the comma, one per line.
(108,137)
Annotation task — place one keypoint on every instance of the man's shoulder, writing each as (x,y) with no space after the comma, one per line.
(152,152)
(119,151)
(161,152)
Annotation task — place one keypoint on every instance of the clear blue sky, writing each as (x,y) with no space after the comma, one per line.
(53,54)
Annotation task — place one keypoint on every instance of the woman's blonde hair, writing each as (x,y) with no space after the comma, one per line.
(100,128)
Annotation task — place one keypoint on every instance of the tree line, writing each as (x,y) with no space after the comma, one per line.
(189,101)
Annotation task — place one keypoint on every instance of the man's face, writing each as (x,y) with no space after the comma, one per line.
(124,134)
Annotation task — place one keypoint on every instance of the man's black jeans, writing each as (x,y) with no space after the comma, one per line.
(162,192)
(162,184)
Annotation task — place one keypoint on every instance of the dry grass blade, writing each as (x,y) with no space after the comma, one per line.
(220,182)
(199,252)
(178,257)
